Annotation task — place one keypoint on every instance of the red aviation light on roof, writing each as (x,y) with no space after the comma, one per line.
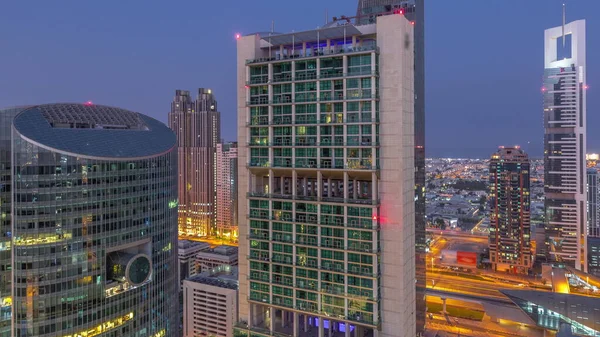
(586,87)
(374,217)
(544,89)
(238,36)
(89,103)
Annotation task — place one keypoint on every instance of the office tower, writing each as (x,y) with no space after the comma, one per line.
(210,303)
(509,201)
(94,247)
(564,143)
(197,125)
(326,162)
(414,10)
(6,118)
(227,190)
(187,257)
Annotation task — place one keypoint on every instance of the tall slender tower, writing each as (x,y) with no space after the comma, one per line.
(414,10)
(565,143)
(510,231)
(227,197)
(593,220)
(197,126)
(326,178)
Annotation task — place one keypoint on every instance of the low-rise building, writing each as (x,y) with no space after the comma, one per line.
(187,257)
(220,255)
(210,303)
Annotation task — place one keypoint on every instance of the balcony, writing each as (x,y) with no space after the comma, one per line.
(315,53)
(354,166)
(359,201)
(254,102)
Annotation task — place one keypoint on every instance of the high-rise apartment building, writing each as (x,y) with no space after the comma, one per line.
(89,245)
(565,143)
(509,200)
(414,10)
(593,226)
(197,124)
(326,179)
(227,197)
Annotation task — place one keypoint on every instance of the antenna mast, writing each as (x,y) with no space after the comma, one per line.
(563,25)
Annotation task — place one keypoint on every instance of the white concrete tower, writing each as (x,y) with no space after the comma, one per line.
(565,143)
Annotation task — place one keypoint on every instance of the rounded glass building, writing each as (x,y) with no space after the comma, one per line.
(93,233)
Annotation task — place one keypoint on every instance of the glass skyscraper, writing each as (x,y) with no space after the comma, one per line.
(565,143)
(93,230)
(326,160)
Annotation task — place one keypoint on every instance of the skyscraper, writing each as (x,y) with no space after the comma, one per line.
(593,222)
(326,174)
(565,143)
(414,10)
(227,197)
(94,247)
(509,201)
(197,125)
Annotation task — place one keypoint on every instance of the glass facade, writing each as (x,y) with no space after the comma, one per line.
(6,118)
(553,311)
(314,240)
(94,239)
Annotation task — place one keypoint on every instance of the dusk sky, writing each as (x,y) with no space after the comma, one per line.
(484,59)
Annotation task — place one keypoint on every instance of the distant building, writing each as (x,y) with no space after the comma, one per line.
(187,257)
(592,159)
(509,200)
(227,190)
(565,143)
(197,126)
(210,303)
(220,255)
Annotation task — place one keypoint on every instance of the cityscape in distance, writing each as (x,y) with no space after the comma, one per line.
(296,193)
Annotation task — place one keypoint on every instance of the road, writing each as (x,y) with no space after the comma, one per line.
(212,241)
(463,285)
(465,327)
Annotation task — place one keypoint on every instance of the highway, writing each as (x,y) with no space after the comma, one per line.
(213,242)
(463,285)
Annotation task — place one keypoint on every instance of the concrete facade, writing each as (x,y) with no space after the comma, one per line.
(210,303)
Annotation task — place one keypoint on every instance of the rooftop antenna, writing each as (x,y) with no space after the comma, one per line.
(272,26)
(563,25)
(326,17)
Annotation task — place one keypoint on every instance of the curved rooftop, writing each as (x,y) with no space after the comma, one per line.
(94,131)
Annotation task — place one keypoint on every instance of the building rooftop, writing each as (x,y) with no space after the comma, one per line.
(226,250)
(222,276)
(94,131)
(187,244)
